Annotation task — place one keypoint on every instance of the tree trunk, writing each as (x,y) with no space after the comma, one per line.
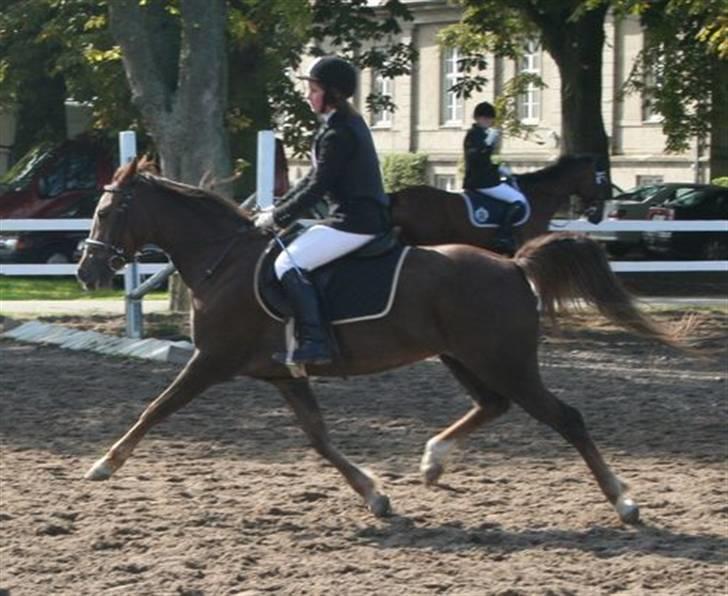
(182,97)
(719,121)
(576,47)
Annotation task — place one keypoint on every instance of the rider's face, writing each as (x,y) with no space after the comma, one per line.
(316,97)
(484,121)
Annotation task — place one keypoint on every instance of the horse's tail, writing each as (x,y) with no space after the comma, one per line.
(571,270)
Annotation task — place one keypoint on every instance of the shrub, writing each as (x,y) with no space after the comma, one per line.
(722,181)
(400,170)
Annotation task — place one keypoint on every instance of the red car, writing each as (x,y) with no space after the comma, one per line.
(52,182)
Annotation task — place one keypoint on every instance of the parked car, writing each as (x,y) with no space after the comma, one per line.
(64,181)
(635,204)
(709,203)
(49,246)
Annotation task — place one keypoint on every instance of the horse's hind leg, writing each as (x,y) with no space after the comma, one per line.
(303,402)
(488,405)
(568,421)
(197,376)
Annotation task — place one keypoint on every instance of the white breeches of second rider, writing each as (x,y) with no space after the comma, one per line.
(317,246)
(504,192)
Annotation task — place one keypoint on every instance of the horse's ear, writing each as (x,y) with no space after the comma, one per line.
(126,172)
(133,164)
(148,164)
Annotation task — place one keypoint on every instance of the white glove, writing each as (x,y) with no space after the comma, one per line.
(264,220)
(491,136)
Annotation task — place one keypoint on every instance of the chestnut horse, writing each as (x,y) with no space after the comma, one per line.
(427,215)
(475,310)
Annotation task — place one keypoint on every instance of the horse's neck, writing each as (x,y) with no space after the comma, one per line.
(545,197)
(195,245)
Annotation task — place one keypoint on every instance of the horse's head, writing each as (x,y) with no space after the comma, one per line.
(110,244)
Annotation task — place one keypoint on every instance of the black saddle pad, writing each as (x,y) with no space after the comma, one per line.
(352,288)
(487,212)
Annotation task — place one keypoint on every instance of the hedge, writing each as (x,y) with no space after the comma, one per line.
(400,170)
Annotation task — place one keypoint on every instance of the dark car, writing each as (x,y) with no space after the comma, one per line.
(64,181)
(708,203)
(635,204)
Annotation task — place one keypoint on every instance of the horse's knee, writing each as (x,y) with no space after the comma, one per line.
(571,424)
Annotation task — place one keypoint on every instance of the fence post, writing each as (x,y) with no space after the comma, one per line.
(134,315)
(265,171)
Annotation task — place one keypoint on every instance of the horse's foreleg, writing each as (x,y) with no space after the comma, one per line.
(489,405)
(197,376)
(303,402)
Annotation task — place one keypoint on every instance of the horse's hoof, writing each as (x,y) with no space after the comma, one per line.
(431,474)
(628,510)
(380,506)
(101,470)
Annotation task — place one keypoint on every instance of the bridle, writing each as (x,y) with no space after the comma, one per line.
(116,258)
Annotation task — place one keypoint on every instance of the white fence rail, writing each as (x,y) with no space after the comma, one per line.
(15,225)
(639,225)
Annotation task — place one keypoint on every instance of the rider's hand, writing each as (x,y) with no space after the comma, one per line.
(491,136)
(264,221)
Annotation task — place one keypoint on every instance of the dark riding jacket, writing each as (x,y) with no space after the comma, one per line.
(480,171)
(346,175)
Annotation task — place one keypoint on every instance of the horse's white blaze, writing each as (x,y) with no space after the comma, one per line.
(436,452)
(101,470)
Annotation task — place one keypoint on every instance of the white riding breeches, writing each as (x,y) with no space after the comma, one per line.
(317,246)
(504,192)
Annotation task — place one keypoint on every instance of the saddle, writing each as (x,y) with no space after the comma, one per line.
(360,286)
(487,212)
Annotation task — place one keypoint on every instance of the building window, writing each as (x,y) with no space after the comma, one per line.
(452,104)
(383,86)
(648,110)
(445,182)
(529,103)
(650,83)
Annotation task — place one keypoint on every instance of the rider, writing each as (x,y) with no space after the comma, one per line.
(482,175)
(345,173)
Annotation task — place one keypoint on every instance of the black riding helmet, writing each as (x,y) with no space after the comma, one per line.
(334,74)
(484,109)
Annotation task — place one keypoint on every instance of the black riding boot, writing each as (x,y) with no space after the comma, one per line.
(504,239)
(312,347)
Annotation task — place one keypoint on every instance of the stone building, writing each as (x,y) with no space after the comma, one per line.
(431,120)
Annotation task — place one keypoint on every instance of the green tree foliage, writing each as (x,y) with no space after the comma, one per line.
(267,40)
(571,31)
(683,71)
(400,170)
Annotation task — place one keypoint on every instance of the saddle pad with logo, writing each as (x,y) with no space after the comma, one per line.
(487,212)
(352,288)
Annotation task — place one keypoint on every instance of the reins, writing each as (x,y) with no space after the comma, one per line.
(118,257)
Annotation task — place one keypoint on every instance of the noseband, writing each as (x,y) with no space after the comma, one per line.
(117,257)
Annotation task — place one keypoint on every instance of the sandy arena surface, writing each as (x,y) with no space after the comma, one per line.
(226,498)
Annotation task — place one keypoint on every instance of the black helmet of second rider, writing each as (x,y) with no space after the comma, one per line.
(484,110)
(484,116)
(336,76)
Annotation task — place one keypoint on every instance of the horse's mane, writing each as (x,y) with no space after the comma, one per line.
(562,164)
(148,172)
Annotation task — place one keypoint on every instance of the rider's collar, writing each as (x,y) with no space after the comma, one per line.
(326,116)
